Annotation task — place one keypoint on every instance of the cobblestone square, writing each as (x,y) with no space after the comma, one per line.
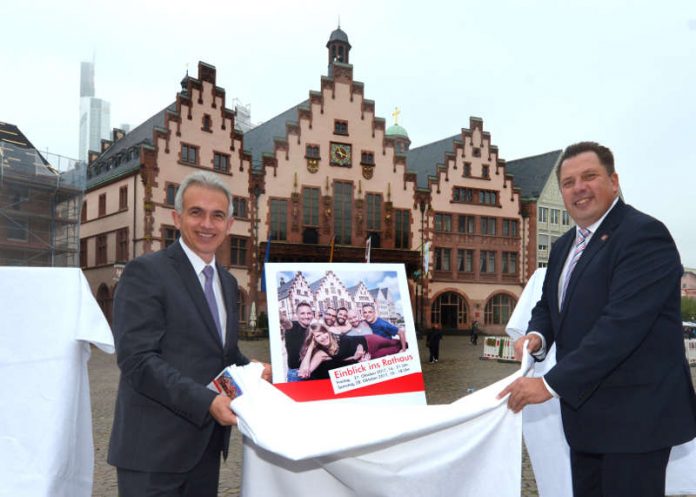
(459,369)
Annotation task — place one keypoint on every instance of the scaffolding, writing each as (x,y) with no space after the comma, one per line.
(39,207)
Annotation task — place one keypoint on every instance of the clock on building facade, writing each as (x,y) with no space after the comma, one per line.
(341,154)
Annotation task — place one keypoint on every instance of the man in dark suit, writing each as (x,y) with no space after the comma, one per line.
(611,305)
(170,310)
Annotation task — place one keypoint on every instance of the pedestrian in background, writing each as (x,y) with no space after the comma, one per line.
(474,333)
(433,343)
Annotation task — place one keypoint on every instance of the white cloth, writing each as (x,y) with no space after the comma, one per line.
(543,428)
(48,318)
(336,448)
(541,423)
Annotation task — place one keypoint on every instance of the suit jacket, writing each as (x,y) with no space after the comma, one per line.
(622,374)
(168,350)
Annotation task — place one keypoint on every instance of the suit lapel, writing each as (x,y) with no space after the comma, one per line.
(229,297)
(193,286)
(597,243)
(563,246)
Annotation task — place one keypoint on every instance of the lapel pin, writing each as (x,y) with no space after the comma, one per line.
(604,237)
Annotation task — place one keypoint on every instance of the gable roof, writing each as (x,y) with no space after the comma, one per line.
(284,289)
(530,174)
(423,160)
(19,155)
(123,163)
(314,287)
(375,293)
(260,140)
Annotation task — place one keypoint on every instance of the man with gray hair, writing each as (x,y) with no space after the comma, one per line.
(175,328)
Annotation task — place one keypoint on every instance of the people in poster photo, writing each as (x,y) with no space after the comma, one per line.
(338,321)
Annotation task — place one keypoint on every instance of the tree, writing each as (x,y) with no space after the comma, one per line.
(688,309)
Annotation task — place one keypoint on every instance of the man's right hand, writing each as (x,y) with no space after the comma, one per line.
(533,345)
(220,410)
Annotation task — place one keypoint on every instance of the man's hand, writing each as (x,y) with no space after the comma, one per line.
(525,391)
(267,373)
(534,345)
(402,339)
(220,410)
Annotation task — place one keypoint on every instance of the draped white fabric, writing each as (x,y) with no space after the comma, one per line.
(471,447)
(48,318)
(543,428)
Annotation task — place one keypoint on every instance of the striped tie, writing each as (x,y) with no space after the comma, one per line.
(580,244)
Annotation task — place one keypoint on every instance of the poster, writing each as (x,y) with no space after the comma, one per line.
(342,331)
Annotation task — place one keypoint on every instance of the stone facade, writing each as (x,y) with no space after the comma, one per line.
(316,182)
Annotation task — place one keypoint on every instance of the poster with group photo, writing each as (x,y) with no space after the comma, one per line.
(341,331)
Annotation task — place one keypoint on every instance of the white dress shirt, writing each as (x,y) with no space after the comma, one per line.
(198,266)
(541,353)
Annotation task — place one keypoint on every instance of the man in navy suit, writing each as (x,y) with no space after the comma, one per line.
(611,305)
(169,429)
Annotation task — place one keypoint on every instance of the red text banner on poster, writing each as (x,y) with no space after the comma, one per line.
(323,390)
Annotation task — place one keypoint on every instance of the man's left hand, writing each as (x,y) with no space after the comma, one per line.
(267,373)
(525,391)
(222,412)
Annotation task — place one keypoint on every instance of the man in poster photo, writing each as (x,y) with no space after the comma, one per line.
(382,327)
(295,334)
(336,320)
(358,326)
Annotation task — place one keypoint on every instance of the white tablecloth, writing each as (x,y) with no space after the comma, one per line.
(48,318)
(471,447)
(543,428)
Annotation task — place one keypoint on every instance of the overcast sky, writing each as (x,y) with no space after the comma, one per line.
(541,74)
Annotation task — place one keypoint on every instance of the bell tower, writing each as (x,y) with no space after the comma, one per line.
(339,48)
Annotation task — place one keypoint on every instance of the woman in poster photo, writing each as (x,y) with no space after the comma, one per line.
(324,351)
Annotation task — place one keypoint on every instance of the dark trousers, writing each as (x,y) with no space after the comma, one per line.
(434,352)
(201,481)
(619,475)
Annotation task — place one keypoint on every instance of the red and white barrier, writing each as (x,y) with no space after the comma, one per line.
(500,348)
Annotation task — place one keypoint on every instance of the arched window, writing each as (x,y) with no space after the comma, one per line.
(449,311)
(499,308)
